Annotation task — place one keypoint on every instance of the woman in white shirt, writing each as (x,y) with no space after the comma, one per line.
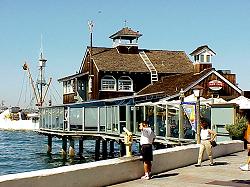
(207,135)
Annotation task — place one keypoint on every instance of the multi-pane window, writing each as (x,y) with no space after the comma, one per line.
(202,58)
(125,84)
(208,58)
(68,86)
(108,83)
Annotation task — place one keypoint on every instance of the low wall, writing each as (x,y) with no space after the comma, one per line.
(107,172)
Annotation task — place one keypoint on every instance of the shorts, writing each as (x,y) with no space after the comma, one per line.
(147,152)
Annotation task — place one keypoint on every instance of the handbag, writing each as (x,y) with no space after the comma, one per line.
(213,143)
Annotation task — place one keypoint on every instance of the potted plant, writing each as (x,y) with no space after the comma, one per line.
(236,130)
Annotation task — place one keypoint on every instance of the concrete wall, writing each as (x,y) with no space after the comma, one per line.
(107,172)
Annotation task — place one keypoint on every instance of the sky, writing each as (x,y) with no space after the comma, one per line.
(61,28)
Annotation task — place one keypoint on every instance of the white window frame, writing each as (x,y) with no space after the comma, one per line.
(68,87)
(208,58)
(125,83)
(108,83)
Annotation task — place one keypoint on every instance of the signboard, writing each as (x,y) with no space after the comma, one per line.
(215,85)
(189,109)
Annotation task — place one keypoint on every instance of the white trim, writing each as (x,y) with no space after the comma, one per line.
(109,79)
(83,60)
(96,66)
(219,75)
(198,62)
(123,79)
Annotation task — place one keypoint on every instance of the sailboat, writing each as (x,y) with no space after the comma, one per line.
(15,118)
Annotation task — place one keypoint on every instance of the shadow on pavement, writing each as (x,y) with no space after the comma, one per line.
(220,163)
(163,175)
(234,183)
(241,181)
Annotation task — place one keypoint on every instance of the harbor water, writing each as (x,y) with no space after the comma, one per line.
(23,151)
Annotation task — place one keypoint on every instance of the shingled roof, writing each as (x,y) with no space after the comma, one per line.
(199,49)
(126,33)
(172,85)
(109,59)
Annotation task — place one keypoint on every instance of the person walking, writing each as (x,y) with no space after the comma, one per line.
(146,141)
(246,167)
(207,135)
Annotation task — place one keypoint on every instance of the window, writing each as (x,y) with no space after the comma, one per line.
(202,58)
(108,83)
(208,58)
(196,58)
(68,87)
(125,83)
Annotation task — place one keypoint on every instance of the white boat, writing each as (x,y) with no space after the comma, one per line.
(16,119)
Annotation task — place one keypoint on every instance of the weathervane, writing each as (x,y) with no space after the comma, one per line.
(125,23)
(91,25)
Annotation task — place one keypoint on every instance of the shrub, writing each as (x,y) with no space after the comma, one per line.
(237,129)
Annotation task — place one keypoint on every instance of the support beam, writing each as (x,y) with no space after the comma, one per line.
(80,153)
(97,149)
(49,147)
(111,148)
(104,149)
(71,148)
(64,147)
(122,148)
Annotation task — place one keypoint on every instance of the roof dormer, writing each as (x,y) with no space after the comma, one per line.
(202,58)
(126,40)
(203,54)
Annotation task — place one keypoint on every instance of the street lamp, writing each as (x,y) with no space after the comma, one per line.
(181,115)
(197,93)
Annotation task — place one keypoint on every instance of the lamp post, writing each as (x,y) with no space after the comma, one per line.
(197,90)
(181,115)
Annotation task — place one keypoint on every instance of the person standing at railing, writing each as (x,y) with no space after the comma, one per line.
(146,141)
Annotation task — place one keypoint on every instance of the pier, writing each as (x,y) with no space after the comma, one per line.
(104,121)
(170,167)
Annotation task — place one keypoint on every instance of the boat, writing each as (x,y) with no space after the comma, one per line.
(15,118)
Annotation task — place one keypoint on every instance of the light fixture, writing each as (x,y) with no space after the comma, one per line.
(197,90)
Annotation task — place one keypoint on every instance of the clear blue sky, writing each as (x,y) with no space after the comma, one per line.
(223,25)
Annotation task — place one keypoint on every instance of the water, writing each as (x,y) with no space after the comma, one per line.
(22,151)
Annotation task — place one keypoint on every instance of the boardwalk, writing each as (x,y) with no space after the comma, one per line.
(226,172)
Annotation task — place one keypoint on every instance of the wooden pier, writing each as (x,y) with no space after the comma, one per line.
(103,121)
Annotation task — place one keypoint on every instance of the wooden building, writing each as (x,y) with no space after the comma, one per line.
(121,70)
(126,70)
(220,83)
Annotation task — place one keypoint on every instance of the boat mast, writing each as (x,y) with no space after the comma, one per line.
(41,82)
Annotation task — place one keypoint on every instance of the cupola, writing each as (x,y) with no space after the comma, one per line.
(126,40)
(202,58)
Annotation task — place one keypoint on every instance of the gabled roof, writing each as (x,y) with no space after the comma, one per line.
(126,33)
(70,77)
(109,59)
(200,49)
(172,85)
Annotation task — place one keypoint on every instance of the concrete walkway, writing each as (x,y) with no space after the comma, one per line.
(225,172)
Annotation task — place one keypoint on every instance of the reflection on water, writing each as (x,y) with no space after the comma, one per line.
(22,151)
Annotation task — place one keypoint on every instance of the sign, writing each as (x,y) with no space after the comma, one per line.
(190,110)
(215,85)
